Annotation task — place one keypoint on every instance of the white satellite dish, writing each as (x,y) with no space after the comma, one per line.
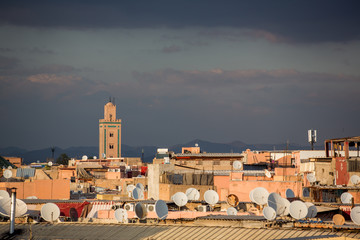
(231,211)
(286,204)
(180,199)
(306,192)
(5,207)
(138,194)
(4,194)
(50,164)
(161,209)
(311,178)
(7,174)
(32,197)
(192,194)
(298,209)
(267,173)
(140,210)
(355,215)
(9,167)
(275,201)
(269,213)
(121,215)
(50,212)
(312,210)
(355,179)
(130,188)
(260,195)
(211,197)
(289,193)
(139,185)
(346,198)
(251,195)
(237,165)
(84,157)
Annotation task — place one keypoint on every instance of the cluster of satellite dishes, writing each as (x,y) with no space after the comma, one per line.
(136,192)
(5,205)
(275,205)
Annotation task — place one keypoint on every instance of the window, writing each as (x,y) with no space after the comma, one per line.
(111,146)
(111,134)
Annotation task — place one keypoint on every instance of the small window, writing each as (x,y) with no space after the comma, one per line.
(111,134)
(111,146)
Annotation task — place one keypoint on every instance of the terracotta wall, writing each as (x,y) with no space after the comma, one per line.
(221,184)
(43,189)
(167,190)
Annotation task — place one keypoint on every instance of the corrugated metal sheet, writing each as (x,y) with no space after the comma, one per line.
(152,232)
(25,172)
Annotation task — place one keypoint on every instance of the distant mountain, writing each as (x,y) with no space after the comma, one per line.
(149,151)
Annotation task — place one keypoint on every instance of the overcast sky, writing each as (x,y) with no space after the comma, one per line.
(254,71)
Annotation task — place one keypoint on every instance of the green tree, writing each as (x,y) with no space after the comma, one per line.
(63,159)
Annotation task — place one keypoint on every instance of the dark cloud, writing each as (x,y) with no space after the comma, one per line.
(301,21)
(171,49)
(7,63)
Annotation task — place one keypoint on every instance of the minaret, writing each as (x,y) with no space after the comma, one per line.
(109,133)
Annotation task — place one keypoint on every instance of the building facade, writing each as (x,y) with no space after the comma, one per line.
(109,133)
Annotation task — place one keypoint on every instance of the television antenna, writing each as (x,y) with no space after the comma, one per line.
(5,207)
(289,193)
(50,212)
(267,173)
(338,219)
(311,178)
(355,179)
(346,198)
(269,213)
(231,211)
(312,210)
(4,194)
(121,215)
(355,215)
(306,192)
(180,199)
(237,165)
(192,194)
(211,197)
(275,201)
(140,210)
(298,209)
(260,195)
(161,209)
(312,135)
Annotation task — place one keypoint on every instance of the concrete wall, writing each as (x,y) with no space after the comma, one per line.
(154,171)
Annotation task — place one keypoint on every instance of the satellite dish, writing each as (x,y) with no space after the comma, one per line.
(251,195)
(192,194)
(338,219)
(298,209)
(140,210)
(267,173)
(9,167)
(232,200)
(4,194)
(275,201)
(237,165)
(269,213)
(50,212)
(306,192)
(231,211)
(286,204)
(161,209)
(139,185)
(50,164)
(84,157)
(211,197)
(311,178)
(7,174)
(260,195)
(346,198)
(312,210)
(355,215)
(289,193)
(180,199)
(121,215)
(138,194)
(355,179)
(5,207)
(32,197)
(130,188)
